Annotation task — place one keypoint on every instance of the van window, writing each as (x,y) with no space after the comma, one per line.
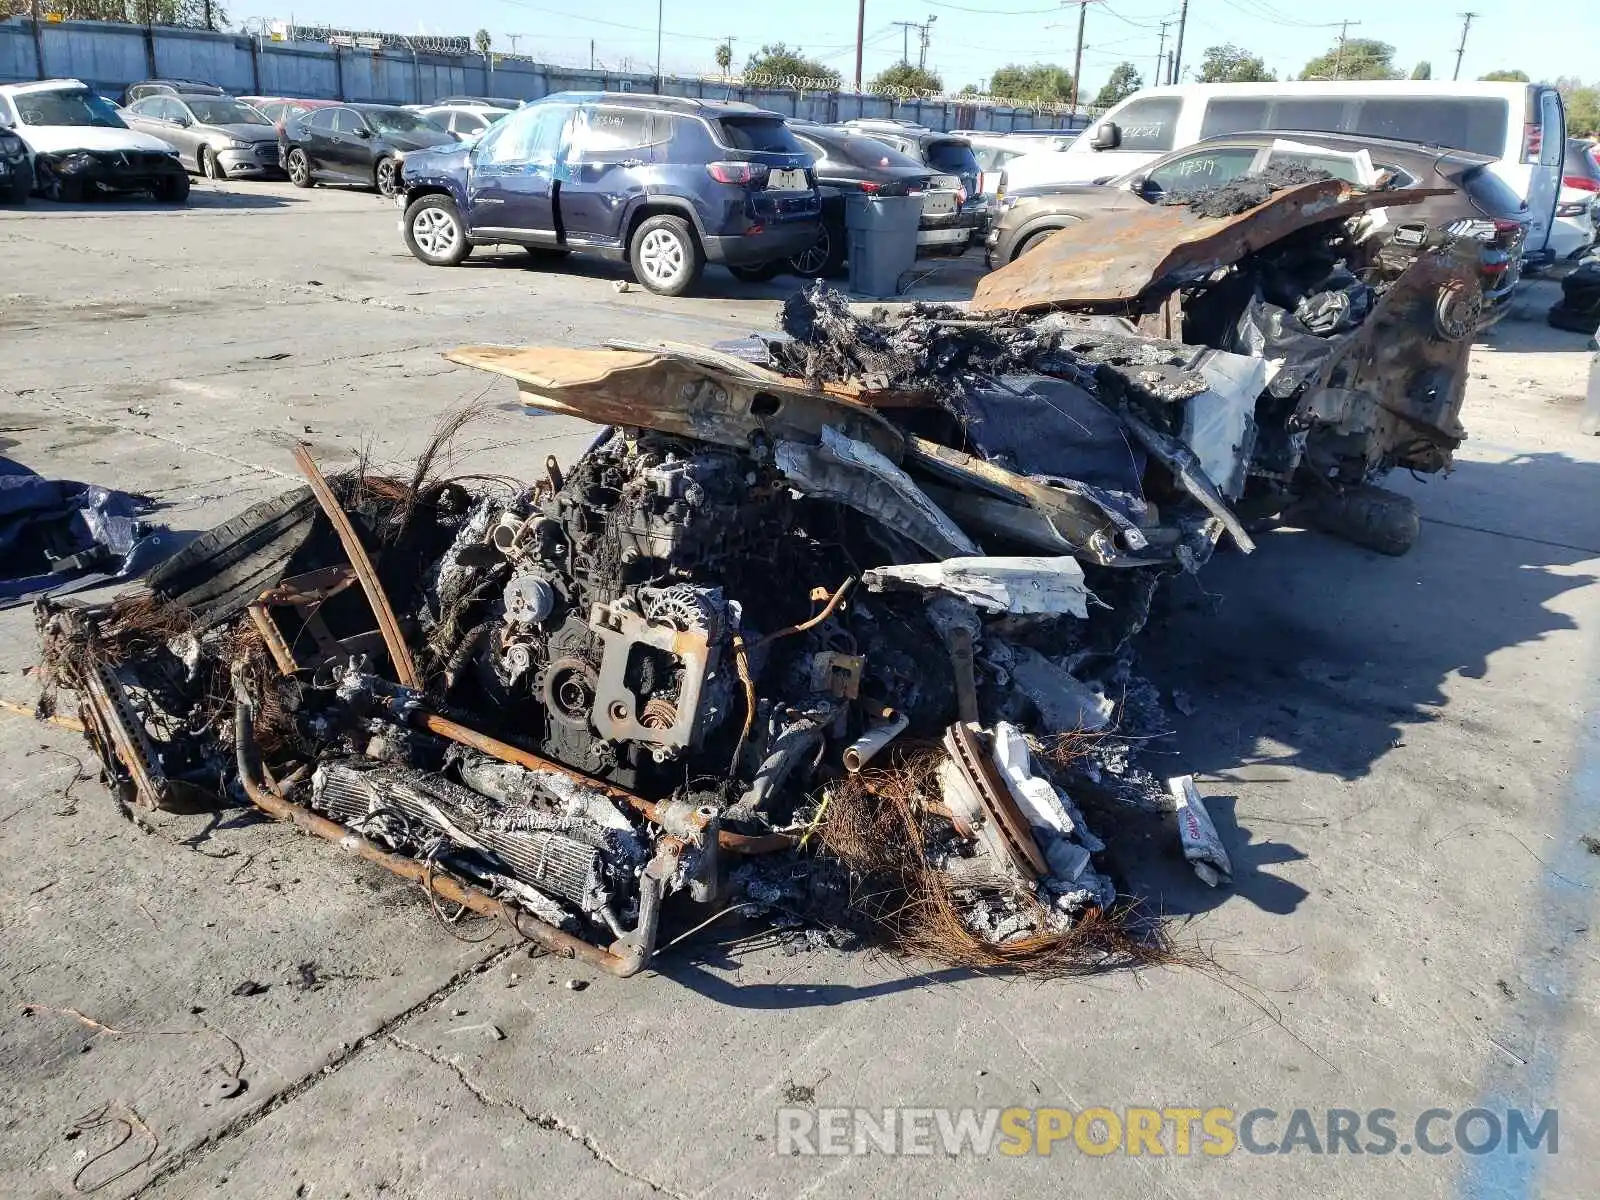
(1148,126)
(1233,116)
(1478,125)
(1322,116)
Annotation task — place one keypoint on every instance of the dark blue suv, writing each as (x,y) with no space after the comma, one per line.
(662,183)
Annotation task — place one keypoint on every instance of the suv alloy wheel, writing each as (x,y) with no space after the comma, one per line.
(435,233)
(665,255)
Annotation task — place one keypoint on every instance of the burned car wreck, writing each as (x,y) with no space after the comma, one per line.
(833,624)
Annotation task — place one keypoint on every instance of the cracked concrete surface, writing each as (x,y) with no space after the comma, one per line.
(1393,749)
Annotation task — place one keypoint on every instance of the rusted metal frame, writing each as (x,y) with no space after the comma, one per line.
(394,641)
(628,955)
(656,814)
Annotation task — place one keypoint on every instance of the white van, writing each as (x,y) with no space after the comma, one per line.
(1523,125)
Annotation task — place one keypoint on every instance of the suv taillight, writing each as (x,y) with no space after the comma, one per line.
(1532,141)
(738,172)
(1582,182)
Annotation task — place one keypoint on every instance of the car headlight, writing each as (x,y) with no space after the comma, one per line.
(76,160)
(237,145)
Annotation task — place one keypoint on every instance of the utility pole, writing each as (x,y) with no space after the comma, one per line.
(1338,59)
(514,38)
(922,55)
(660,9)
(1161,51)
(1466,24)
(1077,58)
(591,54)
(905,38)
(861,31)
(1177,53)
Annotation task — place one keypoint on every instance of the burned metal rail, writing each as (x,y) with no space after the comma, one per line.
(394,641)
(714,398)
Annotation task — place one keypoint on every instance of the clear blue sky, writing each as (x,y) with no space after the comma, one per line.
(1546,38)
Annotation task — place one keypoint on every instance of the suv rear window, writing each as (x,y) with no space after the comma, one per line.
(764,135)
(1492,196)
(954,158)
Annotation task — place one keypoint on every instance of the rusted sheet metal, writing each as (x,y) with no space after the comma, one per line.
(1119,257)
(714,397)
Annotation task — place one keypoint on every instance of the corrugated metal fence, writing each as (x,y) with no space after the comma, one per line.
(108,57)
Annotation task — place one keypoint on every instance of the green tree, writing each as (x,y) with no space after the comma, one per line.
(971,89)
(1230,64)
(1583,107)
(725,57)
(1125,81)
(192,13)
(778,59)
(1042,83)
(904,75)
(1423,70)
(1358,58)
(1505,77)
(482,41)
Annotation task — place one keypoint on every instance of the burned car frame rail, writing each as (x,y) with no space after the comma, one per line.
(713,398)
(1118,258)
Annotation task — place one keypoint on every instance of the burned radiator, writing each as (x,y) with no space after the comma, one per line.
(551,862)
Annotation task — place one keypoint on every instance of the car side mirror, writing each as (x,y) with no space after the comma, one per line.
(1107,136)
(363,132)
(1139,185)
(182,122)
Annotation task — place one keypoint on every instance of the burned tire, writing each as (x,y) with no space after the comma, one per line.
(219,573)
(20,185)
(1372,517)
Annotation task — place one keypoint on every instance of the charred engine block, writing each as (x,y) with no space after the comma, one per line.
(610,639)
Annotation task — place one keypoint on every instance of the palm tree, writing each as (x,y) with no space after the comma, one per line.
(482,41)
(725,57)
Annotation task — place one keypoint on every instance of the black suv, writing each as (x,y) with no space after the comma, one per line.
(952,158)
(662,183)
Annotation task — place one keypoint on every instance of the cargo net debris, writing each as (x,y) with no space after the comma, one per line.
(833,626)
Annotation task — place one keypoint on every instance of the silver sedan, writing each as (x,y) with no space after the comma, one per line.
(215,136)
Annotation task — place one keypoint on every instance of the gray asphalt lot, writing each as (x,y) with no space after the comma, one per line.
(1403,756)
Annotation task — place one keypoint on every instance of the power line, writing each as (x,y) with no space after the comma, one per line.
(1338,61)
(695,37)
